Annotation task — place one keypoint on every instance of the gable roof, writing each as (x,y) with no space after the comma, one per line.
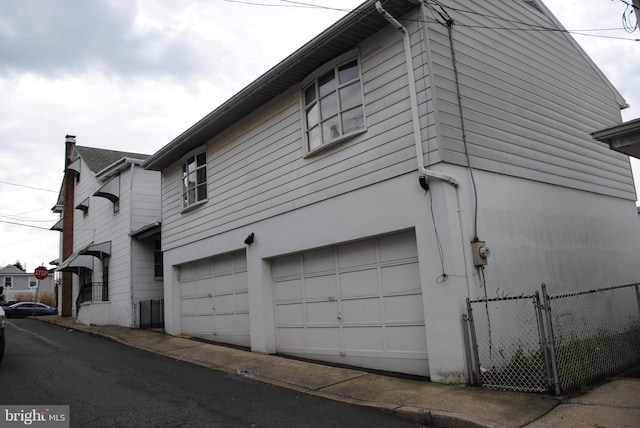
(342,36)
(12,270)
(98,159)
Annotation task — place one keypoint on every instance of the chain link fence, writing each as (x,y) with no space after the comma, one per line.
(555,342)
(595,333)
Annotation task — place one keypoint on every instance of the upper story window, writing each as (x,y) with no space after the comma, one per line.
(333,103)
(194,180)
(8,282)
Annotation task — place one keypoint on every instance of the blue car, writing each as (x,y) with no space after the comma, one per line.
(27,309)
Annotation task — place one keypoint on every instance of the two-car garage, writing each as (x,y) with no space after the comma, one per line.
(357,303)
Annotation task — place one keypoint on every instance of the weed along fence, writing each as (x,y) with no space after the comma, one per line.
(554,343)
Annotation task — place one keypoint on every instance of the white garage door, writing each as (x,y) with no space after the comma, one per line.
(358,304)
(214,299)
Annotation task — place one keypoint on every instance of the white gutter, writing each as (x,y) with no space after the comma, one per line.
(414,100)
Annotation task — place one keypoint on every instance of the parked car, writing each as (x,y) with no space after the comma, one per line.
(2,318)
(27,309)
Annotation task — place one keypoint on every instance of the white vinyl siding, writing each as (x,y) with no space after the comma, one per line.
(257,169)
(530,100)
(358,304)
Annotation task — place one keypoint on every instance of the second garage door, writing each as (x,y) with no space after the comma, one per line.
(358,304)
(214,299)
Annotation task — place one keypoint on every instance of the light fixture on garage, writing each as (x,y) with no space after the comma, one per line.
(249,239)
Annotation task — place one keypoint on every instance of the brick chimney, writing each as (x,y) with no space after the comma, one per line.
(68,189)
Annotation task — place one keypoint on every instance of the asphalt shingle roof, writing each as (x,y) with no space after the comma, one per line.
(98,159)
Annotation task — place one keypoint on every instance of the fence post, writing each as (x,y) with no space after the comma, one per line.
(552,346)
(637,295)
(474,346)
(543,339)
(467,349)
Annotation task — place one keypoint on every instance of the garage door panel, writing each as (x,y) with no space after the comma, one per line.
(287,266)
(188,306)
(407,339)
(240,282)
(359,283)
(204,323)
(321,286)
(401,278)
(242,323)
(242,302)
(204,306)
(364,338)
(226,303)
(406,308)
(322,313)
(289,290)
(188,289)
(319,261)
(363,311)
(204,287)
(223,263)
(203,269)
(323,338)
(188,324)
(398,246)
(291,338)
(290,314)
(187,272)
(226,324)
(357,254)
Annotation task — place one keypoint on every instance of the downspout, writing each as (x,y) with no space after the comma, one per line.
(133,306)
(414,100)
(416,132)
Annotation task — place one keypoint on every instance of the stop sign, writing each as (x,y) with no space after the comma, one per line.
(41,272)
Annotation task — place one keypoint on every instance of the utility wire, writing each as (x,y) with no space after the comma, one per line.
(24,225)
(28,187)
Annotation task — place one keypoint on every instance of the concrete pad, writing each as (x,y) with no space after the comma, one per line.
(624,392)
(579,415)
(481,406)
(303,375)
(159,343)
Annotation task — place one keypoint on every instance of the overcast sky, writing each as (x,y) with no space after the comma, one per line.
(132,75)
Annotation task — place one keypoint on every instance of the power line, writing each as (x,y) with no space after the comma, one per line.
(29,187)
(24,225)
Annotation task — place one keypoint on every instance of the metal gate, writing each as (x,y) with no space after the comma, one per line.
(151,313)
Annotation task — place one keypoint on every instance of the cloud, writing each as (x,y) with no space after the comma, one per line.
(64,37)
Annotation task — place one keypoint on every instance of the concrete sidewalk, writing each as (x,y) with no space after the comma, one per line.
(612,404)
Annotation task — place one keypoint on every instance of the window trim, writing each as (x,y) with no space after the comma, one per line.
(336,62)
(9,283)
(193,153)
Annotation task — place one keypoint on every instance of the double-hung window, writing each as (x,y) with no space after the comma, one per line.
(333,103)
(194,180)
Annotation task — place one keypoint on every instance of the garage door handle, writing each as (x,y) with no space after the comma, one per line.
(339,316)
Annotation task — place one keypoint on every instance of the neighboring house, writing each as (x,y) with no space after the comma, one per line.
(14,281)
(623,138)
(110,213)
(329,211)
